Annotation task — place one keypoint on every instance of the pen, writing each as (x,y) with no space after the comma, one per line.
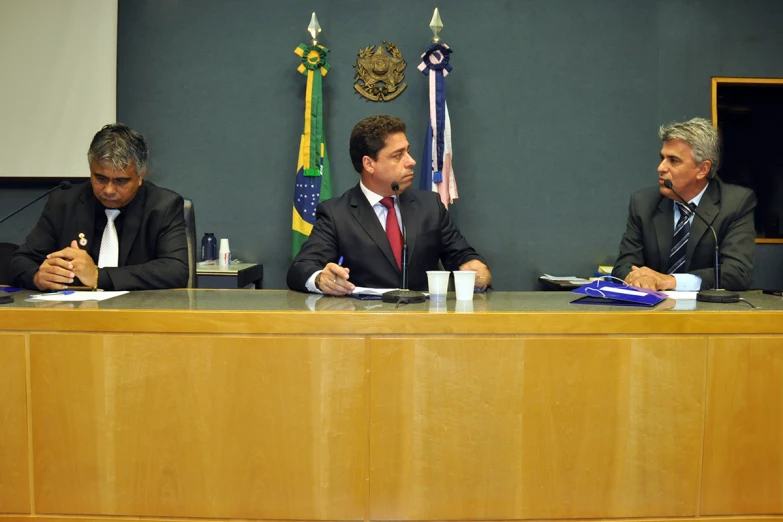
(61,292)
(340,261)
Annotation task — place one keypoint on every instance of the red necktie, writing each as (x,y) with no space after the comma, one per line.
(393,230)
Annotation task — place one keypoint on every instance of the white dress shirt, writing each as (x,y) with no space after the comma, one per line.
(380,211)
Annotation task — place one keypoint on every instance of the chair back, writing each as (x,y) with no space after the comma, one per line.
(6,251)
(190,233)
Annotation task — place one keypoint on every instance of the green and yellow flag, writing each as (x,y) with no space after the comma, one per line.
(313,178)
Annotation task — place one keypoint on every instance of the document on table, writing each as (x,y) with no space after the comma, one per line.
(363,290)
(685,296)
(567,279)
(77,296)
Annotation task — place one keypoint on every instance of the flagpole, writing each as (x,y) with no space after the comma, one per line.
(313,176)
(437,173)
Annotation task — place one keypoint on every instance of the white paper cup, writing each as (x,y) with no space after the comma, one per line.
(438,282)
(464,281)
(225,253)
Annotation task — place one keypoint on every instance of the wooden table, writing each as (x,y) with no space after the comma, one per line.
(278,405)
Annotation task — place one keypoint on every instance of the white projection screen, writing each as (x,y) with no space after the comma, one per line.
(58,84)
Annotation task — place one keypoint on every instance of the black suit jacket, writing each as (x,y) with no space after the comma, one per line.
(348,226)
(153,248)
(728,208)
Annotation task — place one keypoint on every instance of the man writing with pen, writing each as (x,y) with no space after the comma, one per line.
(357,237)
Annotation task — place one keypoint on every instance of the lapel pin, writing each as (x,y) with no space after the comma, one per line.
(82,239)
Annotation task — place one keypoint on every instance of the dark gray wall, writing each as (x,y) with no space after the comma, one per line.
(554,104)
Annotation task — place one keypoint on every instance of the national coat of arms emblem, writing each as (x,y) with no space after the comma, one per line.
(379,73)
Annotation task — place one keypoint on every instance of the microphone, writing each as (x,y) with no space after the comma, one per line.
(707,296)
(403,295)
(65,185)
(396,188)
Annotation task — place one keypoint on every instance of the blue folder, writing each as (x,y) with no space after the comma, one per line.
(613,294)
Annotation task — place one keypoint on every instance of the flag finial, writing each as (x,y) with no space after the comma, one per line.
(435,24)
(315,28)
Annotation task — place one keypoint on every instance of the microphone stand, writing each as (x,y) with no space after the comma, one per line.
(65,185)
(403,295)
(718,295)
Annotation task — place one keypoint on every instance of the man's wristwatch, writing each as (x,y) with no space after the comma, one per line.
(317,282)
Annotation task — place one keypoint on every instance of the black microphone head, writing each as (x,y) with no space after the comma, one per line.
(65,185)
(667,183)
(395,186)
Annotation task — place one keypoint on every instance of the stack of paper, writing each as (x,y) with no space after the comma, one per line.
(566,279)
(77,296)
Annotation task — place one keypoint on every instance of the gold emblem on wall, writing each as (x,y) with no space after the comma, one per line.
(379,75)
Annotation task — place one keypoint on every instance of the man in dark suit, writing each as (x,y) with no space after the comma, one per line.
(664,248)
(354,226)
(118,232)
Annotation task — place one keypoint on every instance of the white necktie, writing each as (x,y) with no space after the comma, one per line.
(110,243)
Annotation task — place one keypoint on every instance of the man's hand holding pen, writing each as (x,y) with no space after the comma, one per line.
(333,280)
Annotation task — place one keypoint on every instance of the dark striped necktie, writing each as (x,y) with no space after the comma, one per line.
(682,232)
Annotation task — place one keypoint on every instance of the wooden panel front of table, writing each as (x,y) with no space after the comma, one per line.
(283,413)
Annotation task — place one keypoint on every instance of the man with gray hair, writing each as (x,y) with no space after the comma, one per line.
(665,246)
(118,232)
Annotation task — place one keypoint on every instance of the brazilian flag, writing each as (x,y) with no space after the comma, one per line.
(313,177)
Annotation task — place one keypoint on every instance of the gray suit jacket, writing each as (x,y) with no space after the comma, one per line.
(348,226)
(728,208)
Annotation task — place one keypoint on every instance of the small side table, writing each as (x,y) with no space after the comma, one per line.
(237,275)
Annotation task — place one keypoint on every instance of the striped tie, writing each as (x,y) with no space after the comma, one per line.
(110,243)
(680,241)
